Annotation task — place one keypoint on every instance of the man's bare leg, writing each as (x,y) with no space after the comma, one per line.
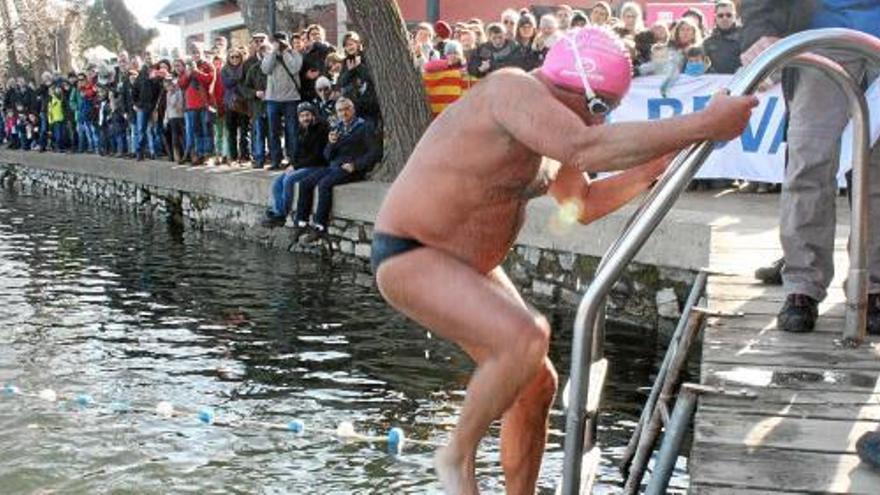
(524,425)
(464,306)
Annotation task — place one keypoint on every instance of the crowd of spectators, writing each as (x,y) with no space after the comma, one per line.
(311,106)
(519,39)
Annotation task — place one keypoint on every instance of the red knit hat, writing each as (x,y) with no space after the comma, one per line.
(443,29)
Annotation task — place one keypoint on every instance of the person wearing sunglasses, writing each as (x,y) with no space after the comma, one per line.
(449,220)
(723,46)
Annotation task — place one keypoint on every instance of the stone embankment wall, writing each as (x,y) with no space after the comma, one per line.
(546,263)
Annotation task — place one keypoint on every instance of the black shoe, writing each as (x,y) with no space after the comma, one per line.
(798,314)
(868,448)
(873,314)
(257,166)
(771,275)
(140,157)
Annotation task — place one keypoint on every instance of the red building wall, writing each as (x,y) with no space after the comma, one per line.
(459,10)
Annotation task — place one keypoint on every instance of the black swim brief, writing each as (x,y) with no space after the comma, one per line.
(388,246)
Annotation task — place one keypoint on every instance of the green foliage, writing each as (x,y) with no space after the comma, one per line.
(98,29)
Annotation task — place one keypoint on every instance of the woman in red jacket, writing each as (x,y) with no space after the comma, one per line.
(196,82)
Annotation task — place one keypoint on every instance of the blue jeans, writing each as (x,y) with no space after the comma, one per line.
(198,138)
(323,181)
(158,130)
(88,137)
(143,133)
(258,139)
(44,130)
(58,136)
(278,110)
(282,189)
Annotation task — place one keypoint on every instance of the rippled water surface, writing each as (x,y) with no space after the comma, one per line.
(132,311)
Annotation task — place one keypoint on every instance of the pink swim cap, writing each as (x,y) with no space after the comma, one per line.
(605,60)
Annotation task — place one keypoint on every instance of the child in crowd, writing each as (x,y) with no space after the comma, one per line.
(12,130)
(697,62)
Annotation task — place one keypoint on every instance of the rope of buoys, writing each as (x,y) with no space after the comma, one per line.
(395,439)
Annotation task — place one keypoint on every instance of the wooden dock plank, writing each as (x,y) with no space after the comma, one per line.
(812,397)
(781,432)
(770,470)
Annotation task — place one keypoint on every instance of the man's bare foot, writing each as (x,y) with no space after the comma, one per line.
(455,472)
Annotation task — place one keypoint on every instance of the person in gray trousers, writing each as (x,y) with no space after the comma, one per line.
(817,117)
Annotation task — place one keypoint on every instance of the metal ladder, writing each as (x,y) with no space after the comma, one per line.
(588,363)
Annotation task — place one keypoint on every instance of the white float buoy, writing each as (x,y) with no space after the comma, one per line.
(165,409)
(49,395)
(345,430)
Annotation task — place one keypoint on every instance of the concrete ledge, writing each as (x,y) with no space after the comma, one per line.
(682,241)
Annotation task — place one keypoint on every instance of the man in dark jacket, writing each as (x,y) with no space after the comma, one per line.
(352,151)
(818,116)
(145,95)
(309,159)
(254,90)
(314,56)
(723,47)
(498,52)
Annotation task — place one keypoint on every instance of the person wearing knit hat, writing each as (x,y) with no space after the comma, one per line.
(453,48)
(442,30)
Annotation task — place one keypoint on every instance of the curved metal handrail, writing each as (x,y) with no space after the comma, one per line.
(668,189)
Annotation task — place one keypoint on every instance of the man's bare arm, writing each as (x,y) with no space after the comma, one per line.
(597,198)
(526,109)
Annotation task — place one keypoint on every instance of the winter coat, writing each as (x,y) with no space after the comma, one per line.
(357,145)
(174,104)
(314,59)
(506,56)
(232,78)
(311,143)
(55,110)
(357,85)
(145,92)
(280,85)
(217,94)
(723,50)
(195,84)
(255,80)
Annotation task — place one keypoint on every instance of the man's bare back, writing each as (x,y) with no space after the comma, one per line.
(462,189)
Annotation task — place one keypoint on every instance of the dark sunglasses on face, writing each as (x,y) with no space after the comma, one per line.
(722,16)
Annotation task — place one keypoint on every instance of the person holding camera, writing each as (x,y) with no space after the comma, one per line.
(195,82)
(281,66)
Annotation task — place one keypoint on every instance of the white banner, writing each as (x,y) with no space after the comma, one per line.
(759,154)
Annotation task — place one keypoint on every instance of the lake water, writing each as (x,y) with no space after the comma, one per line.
(132,311)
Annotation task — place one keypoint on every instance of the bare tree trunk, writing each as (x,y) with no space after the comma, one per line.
(135,37)
(13,66)
(404,105)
